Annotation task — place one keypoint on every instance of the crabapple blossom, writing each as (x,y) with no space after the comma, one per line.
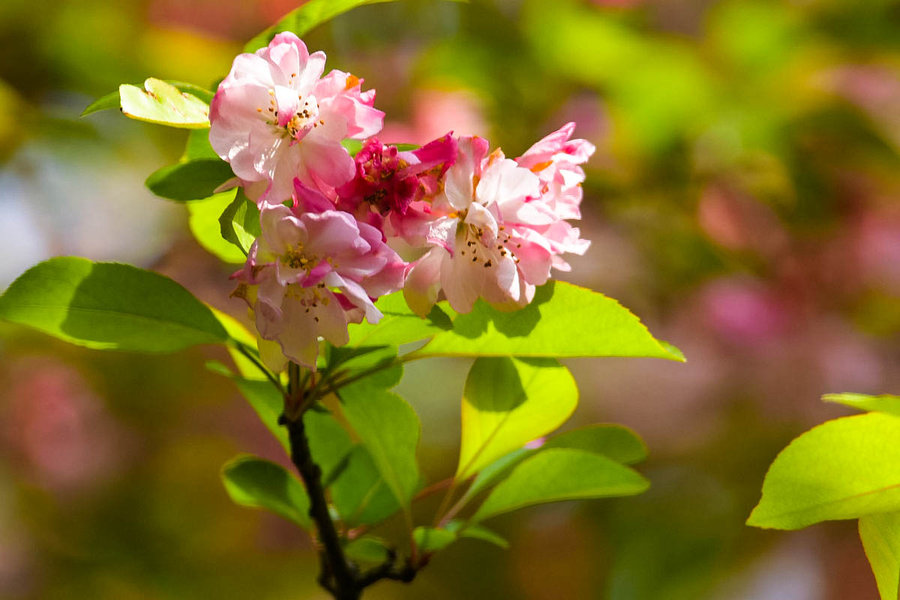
(498,227)
(397,184)
(312,271)
(275,118)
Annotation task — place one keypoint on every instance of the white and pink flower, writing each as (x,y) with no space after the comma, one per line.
(498,227)
(313,270)
(275,118)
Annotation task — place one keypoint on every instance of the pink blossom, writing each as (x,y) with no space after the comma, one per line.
(313,270)
(389,182)
(498,227)
(274,118)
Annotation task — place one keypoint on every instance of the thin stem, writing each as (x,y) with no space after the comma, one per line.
(245,351)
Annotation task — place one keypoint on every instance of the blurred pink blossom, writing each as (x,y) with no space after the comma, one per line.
(60,428)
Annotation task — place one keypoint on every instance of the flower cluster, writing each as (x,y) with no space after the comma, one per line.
(475,224)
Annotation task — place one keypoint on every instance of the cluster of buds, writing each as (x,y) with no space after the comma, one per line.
(473,223)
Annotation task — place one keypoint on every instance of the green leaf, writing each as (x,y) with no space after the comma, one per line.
(329,442)
(496,471)
(476,532)
(239,222)
(113,100)
(109,306)
(389,429)
(193,180)
(884,403)
(258,483)
(268,404)
(432,539)
(399,325)
(880,535)
(560,474)
(378,365)
(359,493)
(614,441)
(204,224)
(368,549)
(164,104)
(564,320)
(197,146)
(508,402)
(240,336)
(843,469)
(303,19)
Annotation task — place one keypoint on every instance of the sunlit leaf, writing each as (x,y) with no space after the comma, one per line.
(508,402)
(614,441)
(268,403)
(258,483)
(193,180)
(880,535)
(560,474)
(164,104)
(884,403)
(389,429)
(239,222)
(204,224)
(112,100)
(109,306)
(399,325)
(564,320)
(843,469)
(305,18)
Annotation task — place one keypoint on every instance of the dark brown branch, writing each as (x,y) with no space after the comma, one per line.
(339,575)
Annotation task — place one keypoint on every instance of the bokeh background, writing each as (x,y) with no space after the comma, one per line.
(743,201)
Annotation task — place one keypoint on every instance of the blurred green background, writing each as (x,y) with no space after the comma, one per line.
(744,200)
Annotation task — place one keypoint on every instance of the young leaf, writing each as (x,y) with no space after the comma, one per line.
(508,402)
(258,483)
(268,404)
(432,539)
(560,474)
(843,469)
(880,535)
(884,403)
(476,532)
(305,18)
(564,320)
(615,441)
(204,224)
(368,549)
(192,180)
(359,493)
(164,104)
(109,306)
(239,222)
(389,429)
(112,99)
